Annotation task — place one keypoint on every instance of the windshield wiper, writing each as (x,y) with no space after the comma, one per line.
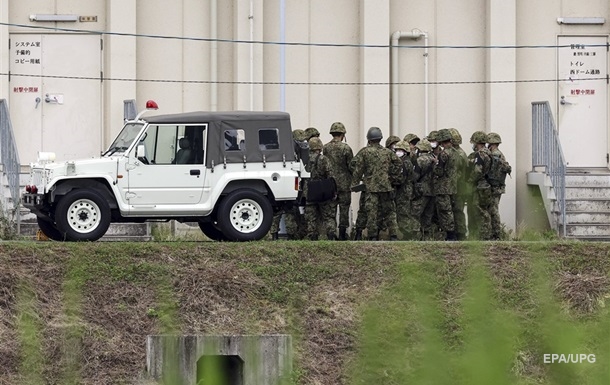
(114,149)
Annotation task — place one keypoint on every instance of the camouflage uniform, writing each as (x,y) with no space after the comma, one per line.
(412,139)
(340,155)
(408,224)
(445,185)
(379,168)
(479,167)
(423,203)
(291,215)
(319,167)
(498,187)
(463,189)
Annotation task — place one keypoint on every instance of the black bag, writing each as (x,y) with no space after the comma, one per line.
(321,190)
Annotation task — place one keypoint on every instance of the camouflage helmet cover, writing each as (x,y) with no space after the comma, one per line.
(478,137)
(411,137)
(423,145)
(298,134)
(432,136)
(374,133)
(392,139)
(337,128)
(444,135)
(402,145)
(493,138)
(315,144)
(311,132)
(455,134)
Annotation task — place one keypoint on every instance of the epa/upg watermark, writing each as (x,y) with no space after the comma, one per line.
(568,358)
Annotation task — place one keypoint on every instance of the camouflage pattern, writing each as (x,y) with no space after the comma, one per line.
(410,137)
(445,187)
(479,167)
(408,223)
(298,135)
(340,156)
(496,194)
(456,137)
(380,169)
(337,128)
(291,218)
(391,141)
(463,192)
(424,198)
(319,167)
(310,132)
(494,138)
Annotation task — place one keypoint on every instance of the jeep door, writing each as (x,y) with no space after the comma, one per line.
(168,177)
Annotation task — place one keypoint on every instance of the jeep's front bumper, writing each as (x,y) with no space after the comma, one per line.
(36,203)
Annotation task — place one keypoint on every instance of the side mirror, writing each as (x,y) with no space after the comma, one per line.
(141,151)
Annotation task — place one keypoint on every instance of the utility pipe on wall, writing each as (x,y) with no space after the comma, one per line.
(414,34)
(251,18)
(213,55)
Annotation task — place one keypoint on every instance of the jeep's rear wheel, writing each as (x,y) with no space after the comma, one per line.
(83,215)
(245,215)
(49,229)
(211,230)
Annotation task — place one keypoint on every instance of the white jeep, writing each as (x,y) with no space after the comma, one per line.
(228,171)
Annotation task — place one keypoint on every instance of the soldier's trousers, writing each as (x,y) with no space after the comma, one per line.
(408,223)
(362,217)
(343,202)
(290,220)
(494,213)
(319,212)
(380,205)
(444,211)
(482,218)
(424,209)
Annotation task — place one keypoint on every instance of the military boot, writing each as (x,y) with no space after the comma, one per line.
(342,234)
(274,236)
(373,238)
(393,237)
(331,236)
(451,236)
(358,236)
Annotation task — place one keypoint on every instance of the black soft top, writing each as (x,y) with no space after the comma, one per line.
(249,121)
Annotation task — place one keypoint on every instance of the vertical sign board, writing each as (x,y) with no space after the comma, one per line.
(583,100)
(55,98)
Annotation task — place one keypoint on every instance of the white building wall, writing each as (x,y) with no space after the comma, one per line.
(176,72)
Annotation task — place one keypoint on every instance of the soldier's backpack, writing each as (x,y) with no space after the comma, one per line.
(497,171)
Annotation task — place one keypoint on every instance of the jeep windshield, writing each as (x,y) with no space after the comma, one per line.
(124,140)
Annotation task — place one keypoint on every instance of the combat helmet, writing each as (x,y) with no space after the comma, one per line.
(337,128)
(444,135)
(455,135)
(478,137)
(298,134)
(409,138)
(374,133)
(432,136)
(392,139)
(493,138)
(402,145)
(315,144)
(424,145)
(311,132)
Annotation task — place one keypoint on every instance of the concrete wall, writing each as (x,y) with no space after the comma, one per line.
(267,359)
(177,72)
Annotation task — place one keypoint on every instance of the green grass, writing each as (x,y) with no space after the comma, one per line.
(359,312)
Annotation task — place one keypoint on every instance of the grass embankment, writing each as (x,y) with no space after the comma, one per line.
(360,312)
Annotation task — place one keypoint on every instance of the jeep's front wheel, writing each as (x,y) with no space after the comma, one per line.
(245,215)
(82,215)
(211,230)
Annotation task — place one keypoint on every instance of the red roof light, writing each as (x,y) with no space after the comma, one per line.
(152,105)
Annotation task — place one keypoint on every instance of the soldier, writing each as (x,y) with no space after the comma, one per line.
(423,202)
(463,190)
(340,155)
(497,180)
(480,165)
(319,168)
(408,224)
(412,139)
(379,168)
(445,184)
(391,141)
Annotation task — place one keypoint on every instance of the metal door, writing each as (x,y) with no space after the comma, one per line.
(55,95)
(583,100)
